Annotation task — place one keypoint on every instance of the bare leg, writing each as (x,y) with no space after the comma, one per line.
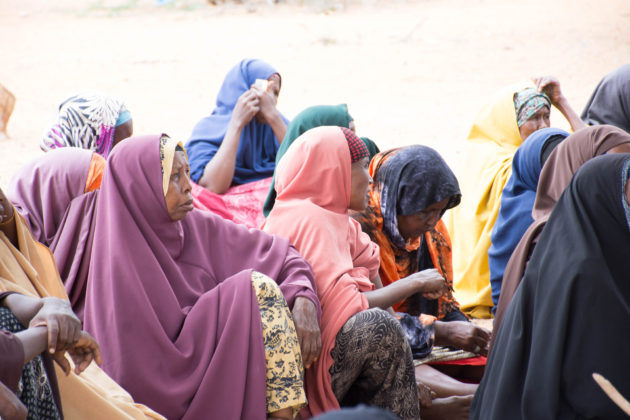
(443,385)
(285,413)
(451,408)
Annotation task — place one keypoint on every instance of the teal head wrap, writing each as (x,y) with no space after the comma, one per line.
(527,102)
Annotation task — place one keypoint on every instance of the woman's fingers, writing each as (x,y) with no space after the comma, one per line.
(53,333)
(63,363)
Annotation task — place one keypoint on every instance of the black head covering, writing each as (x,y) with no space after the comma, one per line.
(570,316)
(610,102)
(410,181)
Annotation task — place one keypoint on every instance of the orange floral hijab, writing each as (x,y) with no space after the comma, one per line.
(400,261)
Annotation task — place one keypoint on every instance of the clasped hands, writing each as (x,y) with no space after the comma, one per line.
(65,335)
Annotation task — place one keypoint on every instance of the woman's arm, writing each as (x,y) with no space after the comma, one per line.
(34,341)
(378,284)
(297,284)
(218,173)
(63,326)
(551,86)
(11,408)
(429,282)
(269,114)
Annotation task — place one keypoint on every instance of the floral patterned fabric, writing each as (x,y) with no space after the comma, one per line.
(285,369)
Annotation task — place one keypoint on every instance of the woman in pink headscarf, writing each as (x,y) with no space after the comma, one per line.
(365,356)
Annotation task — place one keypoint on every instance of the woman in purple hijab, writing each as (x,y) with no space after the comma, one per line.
(238,142)
(56,195)
(182,302)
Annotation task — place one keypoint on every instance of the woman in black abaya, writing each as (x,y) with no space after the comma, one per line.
(570,316)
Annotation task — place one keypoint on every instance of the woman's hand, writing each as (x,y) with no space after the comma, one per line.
(268,101)
(307,328)
(83,352)
(64,328)
(247,106)
(462,335)
(551,86)
(430,283)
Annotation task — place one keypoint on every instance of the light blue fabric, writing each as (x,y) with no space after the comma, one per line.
(256,155)
(517,201)
(123,117)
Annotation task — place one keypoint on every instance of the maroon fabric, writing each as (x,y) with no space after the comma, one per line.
(172,304)
(358,149)
(49,193)
(11,360)
(42,189)
(11,356)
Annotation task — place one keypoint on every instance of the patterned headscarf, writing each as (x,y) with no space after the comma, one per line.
(410,181)
(168,146)
(527,102)
(406,181)
(358,149)
(86,120)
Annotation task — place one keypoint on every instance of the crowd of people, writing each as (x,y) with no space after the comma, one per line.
(277,269)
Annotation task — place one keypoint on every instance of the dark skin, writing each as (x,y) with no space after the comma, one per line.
(219,172)
(54,327)
(551,86)
(428,282)
(7,222)
(459,334)
(123,131)
(11,408)
(432,285)
(179,202)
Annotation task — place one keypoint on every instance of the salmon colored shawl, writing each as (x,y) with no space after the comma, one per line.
(311,210)
(397,263)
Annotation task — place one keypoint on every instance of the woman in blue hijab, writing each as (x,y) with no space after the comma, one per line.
(517,201)
(237,143)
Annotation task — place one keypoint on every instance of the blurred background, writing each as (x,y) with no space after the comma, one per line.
(410,71)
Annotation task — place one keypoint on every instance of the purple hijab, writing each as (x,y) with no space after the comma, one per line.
(49,193)
(172,304)
(257,148)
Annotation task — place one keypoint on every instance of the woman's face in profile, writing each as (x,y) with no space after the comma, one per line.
(178,198)
(360,180)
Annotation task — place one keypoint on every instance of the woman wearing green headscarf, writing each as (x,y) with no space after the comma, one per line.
(314,116)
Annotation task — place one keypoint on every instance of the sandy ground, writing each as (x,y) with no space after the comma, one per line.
(410,71)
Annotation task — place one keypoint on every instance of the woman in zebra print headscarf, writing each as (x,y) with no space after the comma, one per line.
(89,120)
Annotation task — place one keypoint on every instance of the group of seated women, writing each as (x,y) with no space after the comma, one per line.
(278,269)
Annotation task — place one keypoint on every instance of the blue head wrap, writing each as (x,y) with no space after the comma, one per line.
(256,155)
(517,201)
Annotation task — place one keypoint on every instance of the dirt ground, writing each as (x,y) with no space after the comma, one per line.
(410,71)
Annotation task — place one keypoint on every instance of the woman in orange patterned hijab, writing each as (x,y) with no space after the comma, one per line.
(413,187)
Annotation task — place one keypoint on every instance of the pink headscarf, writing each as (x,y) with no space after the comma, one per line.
(311,210)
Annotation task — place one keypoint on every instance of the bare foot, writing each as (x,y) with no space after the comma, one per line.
(449,408)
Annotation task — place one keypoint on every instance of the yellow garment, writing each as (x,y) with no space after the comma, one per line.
(285,376)
(167,154)
(31,271)
(486,167)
